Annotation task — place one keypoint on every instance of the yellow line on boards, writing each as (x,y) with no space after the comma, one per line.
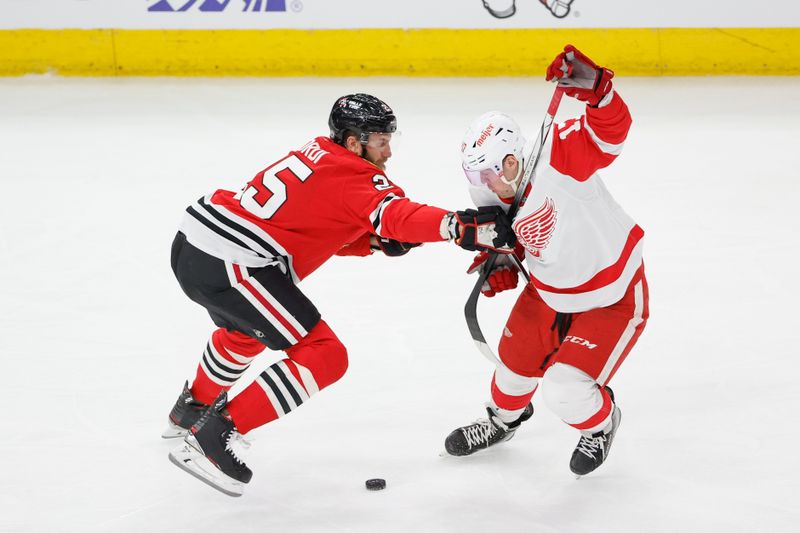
(395,52)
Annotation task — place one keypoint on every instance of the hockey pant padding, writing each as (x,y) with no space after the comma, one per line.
(227,355)
(576,398)
(318,360)
(596,341)
(261,302)
(527,338)
(511,392)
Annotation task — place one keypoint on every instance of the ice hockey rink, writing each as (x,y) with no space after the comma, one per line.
(96,337)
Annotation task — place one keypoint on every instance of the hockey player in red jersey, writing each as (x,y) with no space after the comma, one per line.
(587,300)
(242,254)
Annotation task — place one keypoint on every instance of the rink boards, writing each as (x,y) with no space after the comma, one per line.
(394,52)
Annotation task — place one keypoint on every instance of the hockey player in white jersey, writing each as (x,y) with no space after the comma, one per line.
(587,300)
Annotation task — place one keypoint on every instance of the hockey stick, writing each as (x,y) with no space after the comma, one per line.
(471,307)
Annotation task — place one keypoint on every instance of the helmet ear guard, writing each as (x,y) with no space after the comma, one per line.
(360,114)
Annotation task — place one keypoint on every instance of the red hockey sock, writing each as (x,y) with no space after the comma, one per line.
(227,355)
(318,360)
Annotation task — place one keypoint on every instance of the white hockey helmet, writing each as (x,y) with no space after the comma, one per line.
(488,140)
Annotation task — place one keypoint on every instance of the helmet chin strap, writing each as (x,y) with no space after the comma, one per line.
(515,182)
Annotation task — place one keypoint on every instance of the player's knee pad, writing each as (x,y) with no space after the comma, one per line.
(570,393)
(511,392)
(322,353)
(513,384)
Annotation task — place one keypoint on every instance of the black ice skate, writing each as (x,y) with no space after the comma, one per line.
(592,450)
(483,433)
(210,451)
(184,414)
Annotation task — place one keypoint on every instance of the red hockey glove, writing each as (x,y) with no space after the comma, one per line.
(393,248)
(504,275)
(488,228)
(501,279)
(580,76)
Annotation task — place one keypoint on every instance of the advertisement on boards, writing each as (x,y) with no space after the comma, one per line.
(406,14)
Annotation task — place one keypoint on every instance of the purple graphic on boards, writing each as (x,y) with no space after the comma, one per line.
(216,5)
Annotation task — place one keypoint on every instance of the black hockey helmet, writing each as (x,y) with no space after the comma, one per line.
(362,114)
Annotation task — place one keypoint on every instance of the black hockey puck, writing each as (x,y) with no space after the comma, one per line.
(376,484)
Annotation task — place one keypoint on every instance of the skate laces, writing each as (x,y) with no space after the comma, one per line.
(236,444)
(479,432)
(588,446)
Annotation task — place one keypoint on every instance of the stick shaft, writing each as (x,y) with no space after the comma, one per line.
(471,307)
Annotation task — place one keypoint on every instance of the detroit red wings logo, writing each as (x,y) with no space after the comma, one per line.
(534,231)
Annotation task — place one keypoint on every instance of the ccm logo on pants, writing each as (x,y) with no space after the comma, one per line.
(577,340)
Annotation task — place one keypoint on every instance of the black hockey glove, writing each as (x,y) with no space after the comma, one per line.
(393,248)
(488,228)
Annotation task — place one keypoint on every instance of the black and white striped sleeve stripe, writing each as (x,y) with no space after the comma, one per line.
(376,216)
(239,231)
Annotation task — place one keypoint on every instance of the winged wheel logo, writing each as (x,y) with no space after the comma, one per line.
(534,231)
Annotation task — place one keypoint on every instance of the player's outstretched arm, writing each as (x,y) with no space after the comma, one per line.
(487,228)
(593,141)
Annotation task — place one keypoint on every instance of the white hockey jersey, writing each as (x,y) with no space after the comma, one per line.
(582,249)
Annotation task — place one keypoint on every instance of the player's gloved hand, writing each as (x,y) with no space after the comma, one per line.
(504,274)
(391,247)
(580,76)
(487,228)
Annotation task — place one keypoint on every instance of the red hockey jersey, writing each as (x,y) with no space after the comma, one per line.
(303,209)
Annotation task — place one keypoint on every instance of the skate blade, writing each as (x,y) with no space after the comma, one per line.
(173,432)
(189,459)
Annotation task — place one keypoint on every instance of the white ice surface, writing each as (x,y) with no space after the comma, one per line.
(96,337)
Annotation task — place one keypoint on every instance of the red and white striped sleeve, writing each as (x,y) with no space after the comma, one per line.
(583,145)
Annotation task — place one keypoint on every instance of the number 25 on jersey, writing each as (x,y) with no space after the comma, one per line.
(267,193)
